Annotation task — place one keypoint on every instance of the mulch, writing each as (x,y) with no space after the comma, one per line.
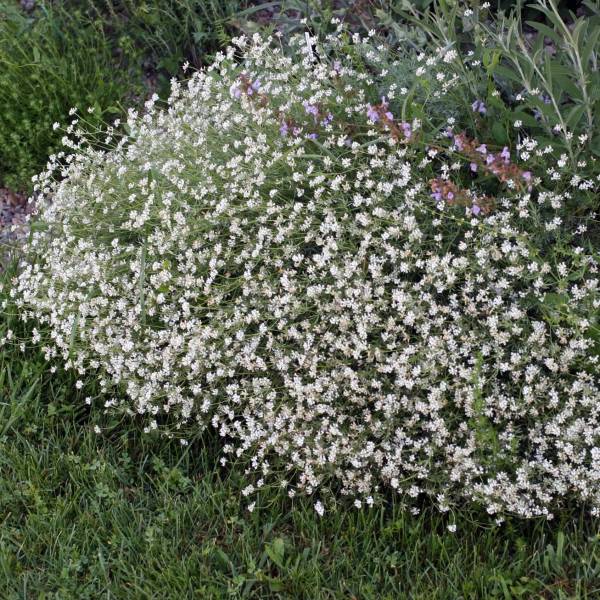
(14,228)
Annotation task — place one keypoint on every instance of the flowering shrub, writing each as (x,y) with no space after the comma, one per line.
(277,255)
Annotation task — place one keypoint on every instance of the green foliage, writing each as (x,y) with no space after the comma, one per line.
(537,72)
(128,515)
(405,22)
(557,74)
(48,64)
(81,53)
(163,34)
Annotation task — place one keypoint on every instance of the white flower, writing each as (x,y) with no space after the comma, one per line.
(272,265)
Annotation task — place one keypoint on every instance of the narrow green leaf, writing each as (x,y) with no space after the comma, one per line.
(574,116)
(592,45)
(257,8)
(507,73)
(546,31)
(499,133)
(568,86)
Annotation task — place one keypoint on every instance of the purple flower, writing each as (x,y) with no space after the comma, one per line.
(490,159)
(283,130)
(505,154)
(235,91)
(479,106)
(526,176)
(256,85)
(327,120)
(372,113)
(337,66)
(437,196)
(296,130)
(406,129)
(482,149)
(312,136)
(310,109)
(475,209)
(389,116)
(450,195)
(473,167)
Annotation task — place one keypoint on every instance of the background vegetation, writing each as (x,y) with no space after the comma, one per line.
(111,54)
(106,55)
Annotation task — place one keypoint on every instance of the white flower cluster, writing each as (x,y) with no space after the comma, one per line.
(264,256)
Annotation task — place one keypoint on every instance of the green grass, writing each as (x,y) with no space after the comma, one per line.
(108,55)
(123,515)
(49,63)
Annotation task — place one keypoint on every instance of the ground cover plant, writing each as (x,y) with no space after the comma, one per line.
(93,507)
(284,256)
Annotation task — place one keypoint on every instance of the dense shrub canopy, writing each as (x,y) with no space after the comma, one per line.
(266,256)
